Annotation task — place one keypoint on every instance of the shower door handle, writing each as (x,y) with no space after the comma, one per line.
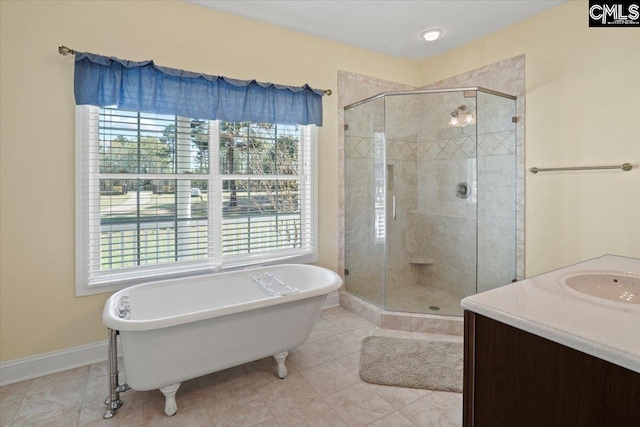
(393,207)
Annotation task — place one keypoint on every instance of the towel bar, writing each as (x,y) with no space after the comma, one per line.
(625,167)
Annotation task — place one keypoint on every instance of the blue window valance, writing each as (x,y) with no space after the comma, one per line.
(146,87)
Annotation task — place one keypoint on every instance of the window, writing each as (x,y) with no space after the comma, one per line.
(163,196)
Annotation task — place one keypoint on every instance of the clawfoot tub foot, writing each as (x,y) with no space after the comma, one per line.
(170,405)
(282,368)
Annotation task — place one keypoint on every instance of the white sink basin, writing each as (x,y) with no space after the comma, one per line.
(610,285)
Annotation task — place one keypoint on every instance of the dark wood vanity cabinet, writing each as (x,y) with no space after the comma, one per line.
(513,378)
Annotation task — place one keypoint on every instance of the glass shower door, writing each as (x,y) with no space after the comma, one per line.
(497,191)
(365,201)
(431,201)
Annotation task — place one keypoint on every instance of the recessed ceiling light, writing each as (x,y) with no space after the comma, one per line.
(431,35)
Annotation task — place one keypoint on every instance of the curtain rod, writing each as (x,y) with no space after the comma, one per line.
(64,51)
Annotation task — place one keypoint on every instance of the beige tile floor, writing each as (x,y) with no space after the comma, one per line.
(322,389)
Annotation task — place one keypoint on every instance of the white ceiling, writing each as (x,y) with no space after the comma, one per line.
(391,27)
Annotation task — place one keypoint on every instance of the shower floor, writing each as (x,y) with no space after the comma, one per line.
(418,299)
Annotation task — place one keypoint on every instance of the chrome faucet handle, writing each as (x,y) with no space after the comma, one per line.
(124,307)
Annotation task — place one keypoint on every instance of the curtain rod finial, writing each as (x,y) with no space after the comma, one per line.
(64,51)
(328,92)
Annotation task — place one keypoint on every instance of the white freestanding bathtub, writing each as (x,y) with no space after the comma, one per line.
(179,329)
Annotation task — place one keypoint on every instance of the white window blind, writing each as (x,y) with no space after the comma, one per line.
(164,196)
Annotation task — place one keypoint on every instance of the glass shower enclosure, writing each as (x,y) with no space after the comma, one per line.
(430,197)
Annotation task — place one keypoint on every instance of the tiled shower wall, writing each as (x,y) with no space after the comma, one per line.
(402,127)
(445,225)
(452,231)
(507,76)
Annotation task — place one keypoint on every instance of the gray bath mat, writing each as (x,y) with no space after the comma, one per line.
(416,363)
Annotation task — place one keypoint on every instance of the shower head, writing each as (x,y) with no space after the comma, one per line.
(461,117)
(458,110)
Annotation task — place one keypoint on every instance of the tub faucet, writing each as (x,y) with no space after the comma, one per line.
(124,307)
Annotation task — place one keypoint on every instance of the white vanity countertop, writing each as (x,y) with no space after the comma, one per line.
(544,306)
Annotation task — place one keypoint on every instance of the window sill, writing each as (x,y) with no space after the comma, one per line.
(114,284)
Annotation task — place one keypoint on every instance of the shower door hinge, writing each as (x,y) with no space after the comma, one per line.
(346,272)
(514,119)
(346,127)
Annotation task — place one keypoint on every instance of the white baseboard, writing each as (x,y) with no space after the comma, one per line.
(49,363)
(26,368)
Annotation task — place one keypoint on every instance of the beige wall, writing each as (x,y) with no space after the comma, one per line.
(582,96)
(39,312)
(583,93)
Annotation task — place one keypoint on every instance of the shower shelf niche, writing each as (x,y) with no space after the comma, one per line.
(421,261)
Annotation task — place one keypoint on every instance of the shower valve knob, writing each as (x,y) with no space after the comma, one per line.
(463,190)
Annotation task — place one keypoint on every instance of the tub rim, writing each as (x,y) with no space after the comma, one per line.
(111,320)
